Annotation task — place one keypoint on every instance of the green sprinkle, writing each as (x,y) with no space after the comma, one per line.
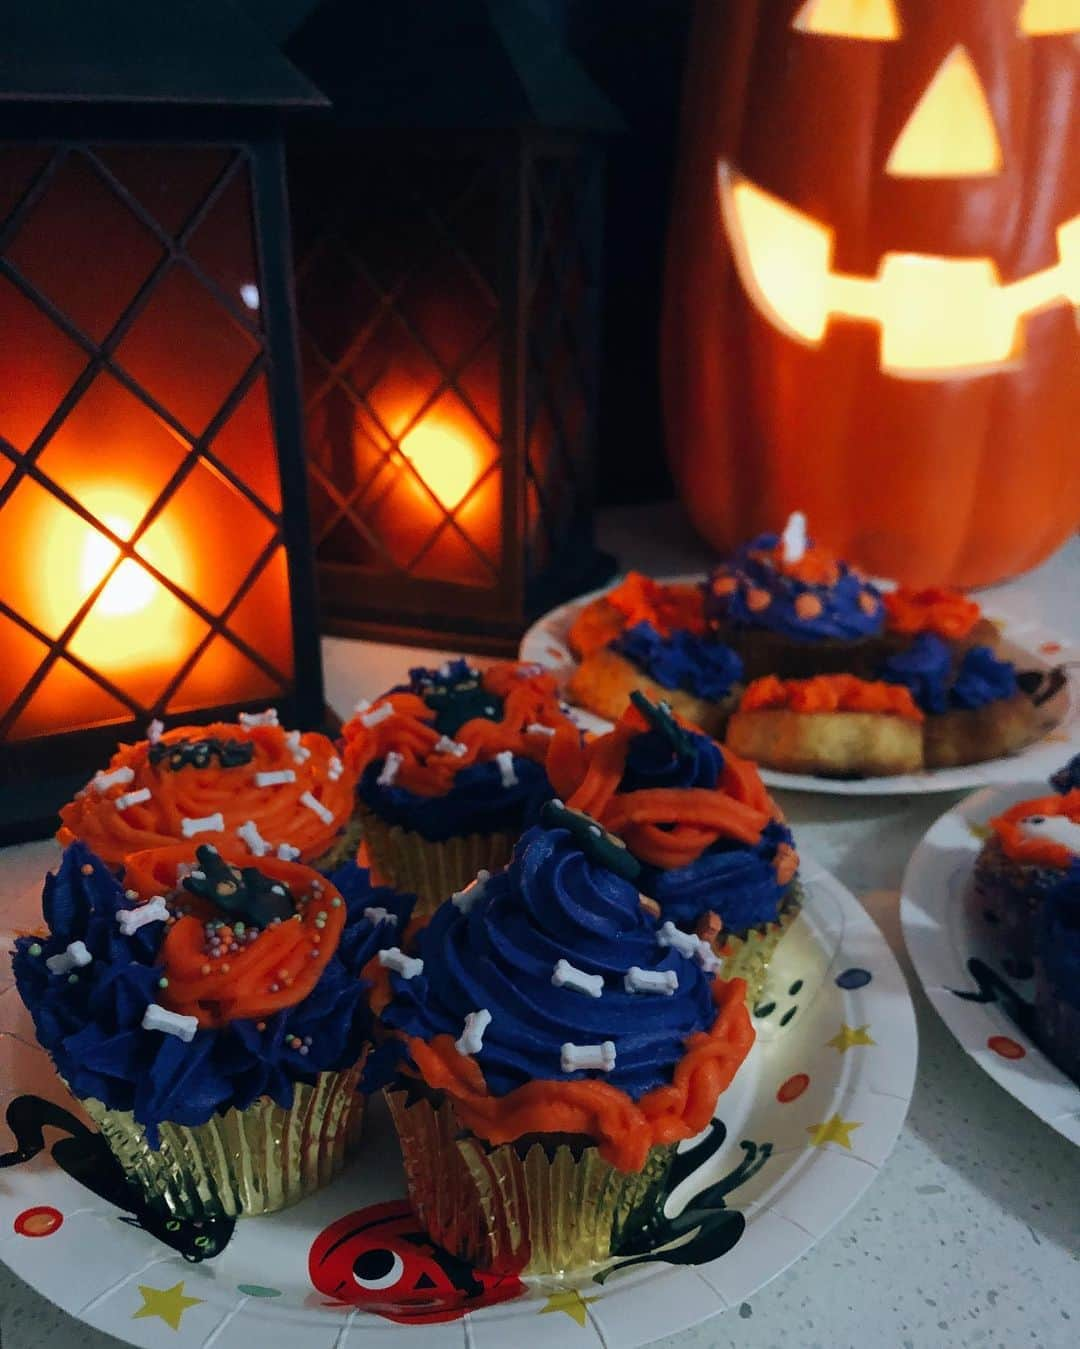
(335,903)
(239,929)
(73,978)
(163,982)
(35,949)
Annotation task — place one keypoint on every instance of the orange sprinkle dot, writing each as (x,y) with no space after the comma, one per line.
(226,967)
(260,1025)
(808,606)
(87,869)
(723,585)
(867,603)
(756,600)
(206,969)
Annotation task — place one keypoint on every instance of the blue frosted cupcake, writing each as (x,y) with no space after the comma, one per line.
(222,1087)
(1057,973)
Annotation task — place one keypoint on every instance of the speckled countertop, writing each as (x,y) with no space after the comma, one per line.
(970,1236)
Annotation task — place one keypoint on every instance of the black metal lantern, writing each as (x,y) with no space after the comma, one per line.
(446,218)
(154,547)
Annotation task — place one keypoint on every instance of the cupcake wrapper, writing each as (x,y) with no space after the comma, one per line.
(516,1208)
(243,1162)
(431,871)
(748,957)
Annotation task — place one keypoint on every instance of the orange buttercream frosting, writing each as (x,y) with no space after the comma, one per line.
(1033,851)
(937,609)
(291,786)
(829,693)
(623,1129)
(403,723)
(669,607)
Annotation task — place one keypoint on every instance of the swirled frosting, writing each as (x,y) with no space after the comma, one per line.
(1058,940)
(211,783)
(90,1019)
(936,609)
(925,668)
(814,599)
(982,679)
(707,669)
(468,748)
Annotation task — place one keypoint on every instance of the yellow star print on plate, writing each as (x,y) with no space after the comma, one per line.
(847,1036)
(834,1130)
(167,1303)
(570,1301)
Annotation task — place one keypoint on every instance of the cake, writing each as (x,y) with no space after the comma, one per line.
(1057,972)
(215,1031)
(830,726)
(450,770)
(556,1043)
(792,609)
(277,793)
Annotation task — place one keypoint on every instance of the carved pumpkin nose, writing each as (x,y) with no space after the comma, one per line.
(950,133)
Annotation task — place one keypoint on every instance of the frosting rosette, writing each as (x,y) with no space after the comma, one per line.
(936,609)
(136,1025)
(668,608)
(548,1000)
(831,693)
(926,670)
(251,782)
(809,597)
(682,660)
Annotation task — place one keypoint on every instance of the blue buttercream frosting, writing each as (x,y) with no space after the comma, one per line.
(653,761)
(1058,939)
(842,615)
(982,679)
(1067,778)
(92,1025)
(926,669)
(552,903)
(707,669)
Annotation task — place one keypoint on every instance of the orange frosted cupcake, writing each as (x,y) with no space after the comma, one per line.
(557,1039)
(832,725)
(274,792)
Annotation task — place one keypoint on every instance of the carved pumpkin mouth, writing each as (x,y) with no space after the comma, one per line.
(939,317)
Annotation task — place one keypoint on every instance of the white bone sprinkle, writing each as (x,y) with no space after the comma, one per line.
(377,714)
(684,942)
(566,975)
(391,765)
(160,1018)
(334,768)
(471,1040)
(155,731)
(248,833)
(132,798)
(76,955)
(446,745)
(287,853)
(394,958)
(465,899)
(267,718)
(637,980)
(793,539)
(707,958)
(377,914)
(274,777)
(600,1057)
(103,781)
(203,824)
(153,911)
(536,728)
(505,762)
(300,752)
(317,807)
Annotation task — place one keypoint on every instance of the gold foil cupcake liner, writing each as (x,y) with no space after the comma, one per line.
(516,1208)
(343,849)
(749,957)
(431,871)
(243,1162)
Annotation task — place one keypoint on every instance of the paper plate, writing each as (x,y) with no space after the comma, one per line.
(1027,644)
(812,1115)
(962,971)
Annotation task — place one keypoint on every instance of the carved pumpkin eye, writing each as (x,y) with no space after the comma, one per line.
(950,133)
(1041,17)
(865,20)
(379,1268)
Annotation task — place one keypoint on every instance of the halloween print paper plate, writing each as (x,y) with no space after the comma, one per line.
(813,1114)
(983,997)
(1027,644)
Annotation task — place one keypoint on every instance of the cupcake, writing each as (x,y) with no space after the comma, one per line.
(940,611)
(558,1041)
(789,608)
(278,793)
(669,607)
(1029,847)
(451,771)
(975,708)
(717,859)
(697,675)
(1057,973)
(833,726)
(215,1032)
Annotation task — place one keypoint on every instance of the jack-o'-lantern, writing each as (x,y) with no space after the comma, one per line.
(873,280)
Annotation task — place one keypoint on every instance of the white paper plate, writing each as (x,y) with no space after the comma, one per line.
(1027,644)
(943,934)
(817,1107)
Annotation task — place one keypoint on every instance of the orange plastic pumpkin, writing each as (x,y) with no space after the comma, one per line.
(873,280)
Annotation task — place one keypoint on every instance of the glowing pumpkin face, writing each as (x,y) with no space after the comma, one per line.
(877,322)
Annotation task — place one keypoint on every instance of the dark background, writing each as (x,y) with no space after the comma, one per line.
(632,49)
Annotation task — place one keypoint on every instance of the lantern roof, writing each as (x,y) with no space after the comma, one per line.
(193,52)
(473,64)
